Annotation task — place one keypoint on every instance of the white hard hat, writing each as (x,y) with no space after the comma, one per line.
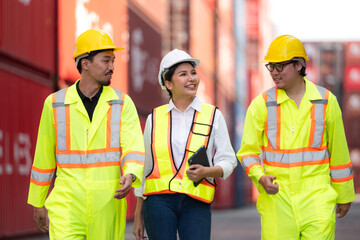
(172,58)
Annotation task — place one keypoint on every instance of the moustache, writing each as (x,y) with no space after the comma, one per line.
(110,71)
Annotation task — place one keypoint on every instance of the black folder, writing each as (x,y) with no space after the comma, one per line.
(199,157)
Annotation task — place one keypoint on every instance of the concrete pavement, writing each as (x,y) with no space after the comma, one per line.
(244,224)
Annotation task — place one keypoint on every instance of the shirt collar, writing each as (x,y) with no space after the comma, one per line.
(195,104)
(83,97)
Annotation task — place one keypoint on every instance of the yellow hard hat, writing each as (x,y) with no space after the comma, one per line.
(284,48)
(93,40)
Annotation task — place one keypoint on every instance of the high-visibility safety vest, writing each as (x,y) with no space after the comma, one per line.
(165,177)
(310,139)
(82,151)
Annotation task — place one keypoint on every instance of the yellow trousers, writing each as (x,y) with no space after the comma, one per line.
(302,209)
(86,211)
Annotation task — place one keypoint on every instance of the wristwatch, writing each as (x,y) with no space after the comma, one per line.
(133,177)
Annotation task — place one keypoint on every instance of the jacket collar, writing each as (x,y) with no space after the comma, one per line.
(72,95)
(311,93)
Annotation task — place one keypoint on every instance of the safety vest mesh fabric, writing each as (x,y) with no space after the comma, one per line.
(314,155)
(165,177)
(68,158)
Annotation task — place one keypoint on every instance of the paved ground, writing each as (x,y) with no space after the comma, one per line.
(244,224)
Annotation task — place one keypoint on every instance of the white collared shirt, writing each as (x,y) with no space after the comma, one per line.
(219,147)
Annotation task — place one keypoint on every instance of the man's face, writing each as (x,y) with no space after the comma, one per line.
(288,74)
(102,67)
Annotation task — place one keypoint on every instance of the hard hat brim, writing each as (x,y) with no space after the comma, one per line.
(195,60)
(115,49)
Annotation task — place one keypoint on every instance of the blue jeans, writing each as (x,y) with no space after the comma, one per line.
(165,214)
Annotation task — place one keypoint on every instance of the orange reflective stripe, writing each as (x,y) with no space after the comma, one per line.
(90,151)
(40,170)
(40,183)
(342,179)
(297,150)
(89,165)
(250,166)
(296,164)
(250,155)
(312,128)
(342,166)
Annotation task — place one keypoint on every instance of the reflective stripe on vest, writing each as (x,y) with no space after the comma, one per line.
(318,112)
(165,177)
(249,161)
(61,115)
(41,177)
(314,154)
(109,156)
(341,173)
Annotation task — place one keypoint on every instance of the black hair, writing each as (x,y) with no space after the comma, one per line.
(90,57)
(302,71)
(170,72)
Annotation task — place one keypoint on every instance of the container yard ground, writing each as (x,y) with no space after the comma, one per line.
(244,224)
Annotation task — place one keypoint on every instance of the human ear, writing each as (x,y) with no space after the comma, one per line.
(168,84)
(84,63)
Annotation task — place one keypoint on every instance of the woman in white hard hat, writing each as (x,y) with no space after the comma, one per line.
(169,202)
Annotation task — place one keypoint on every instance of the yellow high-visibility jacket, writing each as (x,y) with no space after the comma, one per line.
(89,157)
(297,143)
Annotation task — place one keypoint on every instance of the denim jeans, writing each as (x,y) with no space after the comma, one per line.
(165,214)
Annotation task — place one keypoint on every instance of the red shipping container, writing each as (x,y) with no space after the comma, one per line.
(225,193)
(352,52)
(28,32)
(352,78)
(75,17)
(21,103)
(356,174)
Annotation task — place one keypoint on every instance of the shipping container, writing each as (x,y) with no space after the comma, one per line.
(332,68)
(351,117)
(144,61)
(78,16)
(157,11)
(352,77)
(313,65)
(356,173)
(225,194)
(27,33)
(352,52)
(21,102)
(202,36)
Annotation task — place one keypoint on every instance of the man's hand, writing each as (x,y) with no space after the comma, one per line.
(342,209)
(126,182)
(40,219)
(267,182)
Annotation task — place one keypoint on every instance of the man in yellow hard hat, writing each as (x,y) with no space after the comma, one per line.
(90,134)
(296,128)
